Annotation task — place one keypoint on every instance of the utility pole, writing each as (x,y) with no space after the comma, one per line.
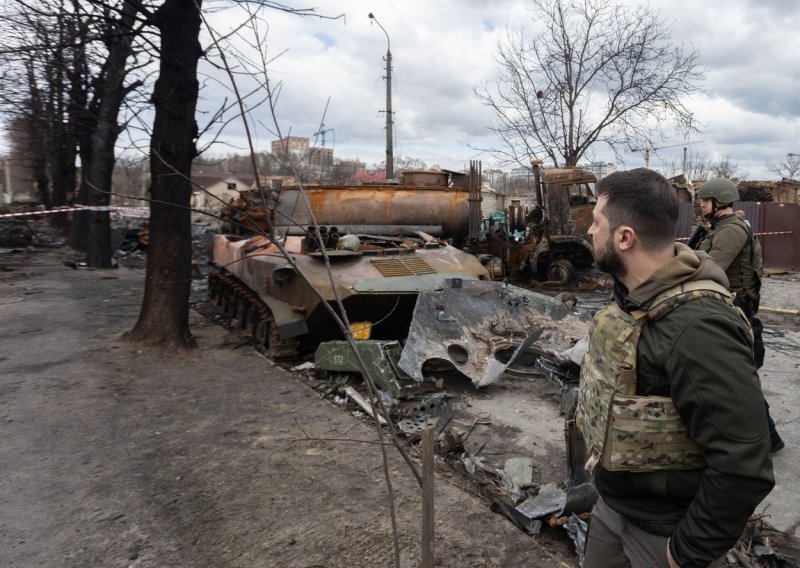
(684,164)
(389,120)
(8,194)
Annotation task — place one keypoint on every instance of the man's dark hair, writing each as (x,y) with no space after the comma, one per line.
(644,200)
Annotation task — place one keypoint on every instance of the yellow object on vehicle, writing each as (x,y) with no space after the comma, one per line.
(361,330)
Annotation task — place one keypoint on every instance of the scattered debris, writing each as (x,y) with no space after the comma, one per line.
(762,545)
(482,327)
(547,240)
(17,233)
(433,412)
(366,407)
(380,358)
(578,530)
(520,470)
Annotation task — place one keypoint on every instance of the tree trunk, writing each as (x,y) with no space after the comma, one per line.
(97,180)
(79,239)
(38,141)
(63,180)
(97,174)
(164,317)
(62,147)
(42,180)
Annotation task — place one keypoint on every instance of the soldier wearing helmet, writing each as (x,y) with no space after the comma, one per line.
(731,243)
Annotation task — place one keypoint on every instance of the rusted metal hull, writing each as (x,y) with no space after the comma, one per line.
(379,286)
(439,211)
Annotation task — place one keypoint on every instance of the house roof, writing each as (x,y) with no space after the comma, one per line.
(364,176)
(207,181)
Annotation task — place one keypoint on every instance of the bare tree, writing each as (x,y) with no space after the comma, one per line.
(592,72)
(43,87)
(164,317)
(100,133)
(24,92)
(788,168)
(72,56)
(409,163)
(344,169)
(697,166)
(725,167)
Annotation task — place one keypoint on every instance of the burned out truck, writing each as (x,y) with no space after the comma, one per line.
(548,240)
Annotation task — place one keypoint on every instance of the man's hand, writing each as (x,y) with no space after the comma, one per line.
(670,560)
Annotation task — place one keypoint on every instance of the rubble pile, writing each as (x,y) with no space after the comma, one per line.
(784,191)
(762,545)
(684,188)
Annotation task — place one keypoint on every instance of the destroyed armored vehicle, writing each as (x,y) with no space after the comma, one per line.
(393,277)
(380,243)
(377,282)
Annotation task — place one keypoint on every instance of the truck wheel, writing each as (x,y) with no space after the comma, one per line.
(561,272)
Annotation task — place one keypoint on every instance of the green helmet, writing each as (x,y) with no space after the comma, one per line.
(721,189)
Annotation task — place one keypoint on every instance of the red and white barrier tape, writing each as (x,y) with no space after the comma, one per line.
(756,234)
(76,208)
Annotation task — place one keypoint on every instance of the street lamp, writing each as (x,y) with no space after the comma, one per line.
(389,148)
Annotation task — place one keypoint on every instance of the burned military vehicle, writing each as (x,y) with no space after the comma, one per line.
(548,240)
(377,281)
(379,241)
(381,254)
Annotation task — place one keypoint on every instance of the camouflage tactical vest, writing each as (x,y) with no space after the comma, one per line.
(744,273)
(625,431)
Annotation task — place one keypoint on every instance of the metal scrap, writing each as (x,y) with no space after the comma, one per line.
(365,406)
(379,357)
(432,412)
(480,327)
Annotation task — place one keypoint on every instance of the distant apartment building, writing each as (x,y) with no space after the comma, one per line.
(298,148)
(494,177)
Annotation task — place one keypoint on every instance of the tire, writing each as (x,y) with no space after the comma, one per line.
(560,272)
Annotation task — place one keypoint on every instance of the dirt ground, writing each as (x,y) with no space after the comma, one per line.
(112,455)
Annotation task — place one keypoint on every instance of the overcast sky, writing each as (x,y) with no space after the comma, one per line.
(443,49)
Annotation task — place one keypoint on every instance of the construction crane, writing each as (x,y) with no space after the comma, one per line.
(321,132)
(646,150)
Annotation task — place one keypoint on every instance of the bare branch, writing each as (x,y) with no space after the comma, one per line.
(593,73)
(788,168)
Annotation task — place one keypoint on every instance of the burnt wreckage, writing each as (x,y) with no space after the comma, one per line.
(412,299)
(548,240)
(396,277)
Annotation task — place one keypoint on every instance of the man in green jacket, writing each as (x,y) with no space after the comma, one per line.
(679,452)
(730,242)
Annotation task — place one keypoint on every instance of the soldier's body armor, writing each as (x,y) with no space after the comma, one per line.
(744,273)
(625,431)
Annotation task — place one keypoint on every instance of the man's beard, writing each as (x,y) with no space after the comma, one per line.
(609,260)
